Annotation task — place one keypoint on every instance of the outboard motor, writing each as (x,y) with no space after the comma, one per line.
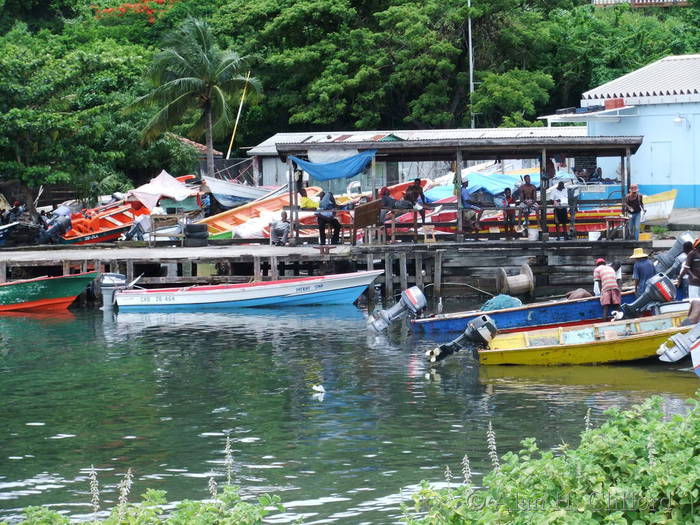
(478,334)
(678,346)
(412,302)
(109,284)
(659,289)
(664,261)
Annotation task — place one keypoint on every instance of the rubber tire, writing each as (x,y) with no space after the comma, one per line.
(195,228)
(197,235)
(195,243)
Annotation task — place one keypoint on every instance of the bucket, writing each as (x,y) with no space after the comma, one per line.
(593,236)
(533,234)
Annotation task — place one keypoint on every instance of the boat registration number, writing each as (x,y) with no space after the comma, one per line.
(308,288)
(158,299)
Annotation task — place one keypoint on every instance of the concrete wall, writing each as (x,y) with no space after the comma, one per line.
(669,156)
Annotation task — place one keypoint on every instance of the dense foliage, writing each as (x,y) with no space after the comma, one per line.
(640,467)
(70,66)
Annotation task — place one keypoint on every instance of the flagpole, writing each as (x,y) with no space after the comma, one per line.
(240,108)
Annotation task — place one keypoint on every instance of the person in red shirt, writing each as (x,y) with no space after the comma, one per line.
(606,285)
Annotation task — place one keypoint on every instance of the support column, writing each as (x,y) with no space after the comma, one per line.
(458,176)
(437,280)
(274,269)
(543,195)
(3,271)
(388,276)
(373,178)
(403,271)
(292,191)
(419,270)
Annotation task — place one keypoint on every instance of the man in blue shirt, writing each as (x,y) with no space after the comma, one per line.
(471,212)
(642,271)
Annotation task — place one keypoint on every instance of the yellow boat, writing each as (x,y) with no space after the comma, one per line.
(625,340)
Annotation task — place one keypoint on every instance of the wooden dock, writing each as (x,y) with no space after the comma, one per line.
(449,268)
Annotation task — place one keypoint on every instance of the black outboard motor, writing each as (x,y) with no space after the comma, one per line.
(664,261)
(659,289)
(478,334)
(412,302)
(58,226)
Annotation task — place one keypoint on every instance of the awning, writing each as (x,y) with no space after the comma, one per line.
(342,169)
(164,185)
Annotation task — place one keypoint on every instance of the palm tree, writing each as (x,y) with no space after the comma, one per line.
(192,73)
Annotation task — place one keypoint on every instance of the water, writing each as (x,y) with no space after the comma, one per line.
(160,392)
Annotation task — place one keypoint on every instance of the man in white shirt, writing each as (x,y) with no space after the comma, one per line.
(560,198)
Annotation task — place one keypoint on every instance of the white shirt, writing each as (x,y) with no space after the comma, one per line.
(560,195)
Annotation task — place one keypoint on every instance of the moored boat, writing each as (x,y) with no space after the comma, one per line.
(616,341)
(231,194)
(43,294)
(322,290)
(532,316)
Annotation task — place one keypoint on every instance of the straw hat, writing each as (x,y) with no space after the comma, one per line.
(638,254)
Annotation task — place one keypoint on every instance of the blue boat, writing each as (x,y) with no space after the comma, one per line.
(522,318)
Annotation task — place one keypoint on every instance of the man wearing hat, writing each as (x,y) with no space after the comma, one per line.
(691,268)
(634,205)
(605,282)
(642,270)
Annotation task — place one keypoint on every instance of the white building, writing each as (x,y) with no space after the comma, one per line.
(660,102)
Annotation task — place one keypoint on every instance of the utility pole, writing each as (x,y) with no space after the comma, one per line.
(471,61)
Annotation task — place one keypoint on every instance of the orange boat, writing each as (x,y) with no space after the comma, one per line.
(103,224)
(253,219)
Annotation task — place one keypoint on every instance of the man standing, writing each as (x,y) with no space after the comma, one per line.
(509,213)
(528,202)
(691,268)
(326,215)
(605,284)
(279,230)
(642,270)
(560,199)
(634,204)
(471,213)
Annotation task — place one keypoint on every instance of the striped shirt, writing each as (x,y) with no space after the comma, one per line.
(606,275)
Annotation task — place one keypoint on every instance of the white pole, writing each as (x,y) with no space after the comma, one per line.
(471,61)
(240,108)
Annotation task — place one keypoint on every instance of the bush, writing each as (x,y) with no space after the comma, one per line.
(639,467)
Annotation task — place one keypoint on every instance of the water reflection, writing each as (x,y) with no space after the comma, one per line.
(160,392)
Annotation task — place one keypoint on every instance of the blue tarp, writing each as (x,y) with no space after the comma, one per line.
(493,183)
(342,169)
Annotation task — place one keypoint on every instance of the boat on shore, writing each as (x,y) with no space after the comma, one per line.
(342,288)
(534,316)
(43,294)
(103,224)
(616,341)
(231,194)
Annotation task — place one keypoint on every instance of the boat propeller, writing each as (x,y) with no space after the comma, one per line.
(478,334)
(412,302)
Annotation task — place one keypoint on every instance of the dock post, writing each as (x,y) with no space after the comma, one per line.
(130,271)
(66,267)
(97,265)
(388,276)
(369,261)
(186,269)
(274,268)
(84,266)
(437,280)
(3,272)
(257,272)
(403,271)
(419,270)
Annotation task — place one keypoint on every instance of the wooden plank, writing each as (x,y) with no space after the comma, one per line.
(369,261)
(3,272)
(274,269)
(187,269)
(403,271)
(419,270)
(257,271)
(66,267)
(130,271)
(388,275)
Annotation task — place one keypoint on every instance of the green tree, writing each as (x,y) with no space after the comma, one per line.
(192,74)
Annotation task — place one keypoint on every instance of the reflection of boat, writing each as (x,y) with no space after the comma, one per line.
(328,289)
(230,194)
(43,293)
(532,316)
(652,378)
(625,340)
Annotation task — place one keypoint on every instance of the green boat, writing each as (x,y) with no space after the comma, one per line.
(43,294)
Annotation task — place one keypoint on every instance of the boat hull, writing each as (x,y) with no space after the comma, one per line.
(602,343)
(522,318)
(44,294)
(331,289)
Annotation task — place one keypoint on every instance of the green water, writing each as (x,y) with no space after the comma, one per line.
(159,393)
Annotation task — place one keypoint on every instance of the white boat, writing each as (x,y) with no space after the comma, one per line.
(230,194)
(342,288)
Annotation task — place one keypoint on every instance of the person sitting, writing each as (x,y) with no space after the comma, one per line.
(413,194)
(279,230)
(326,216)
(390,202)
(509,213)
(528,202)
(471,212)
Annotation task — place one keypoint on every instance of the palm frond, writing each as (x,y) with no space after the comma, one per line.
(167,116)
(220,109)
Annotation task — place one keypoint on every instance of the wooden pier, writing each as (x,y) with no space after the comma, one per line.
(449,268)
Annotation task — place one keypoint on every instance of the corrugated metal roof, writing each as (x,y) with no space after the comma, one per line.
(268,146)
(670,76)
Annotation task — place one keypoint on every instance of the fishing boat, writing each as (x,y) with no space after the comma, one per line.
(103,224)
(532,316)
(328,289)
(231,194)
(616,341)
(43,294)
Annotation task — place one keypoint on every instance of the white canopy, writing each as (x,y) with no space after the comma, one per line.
(164,185)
